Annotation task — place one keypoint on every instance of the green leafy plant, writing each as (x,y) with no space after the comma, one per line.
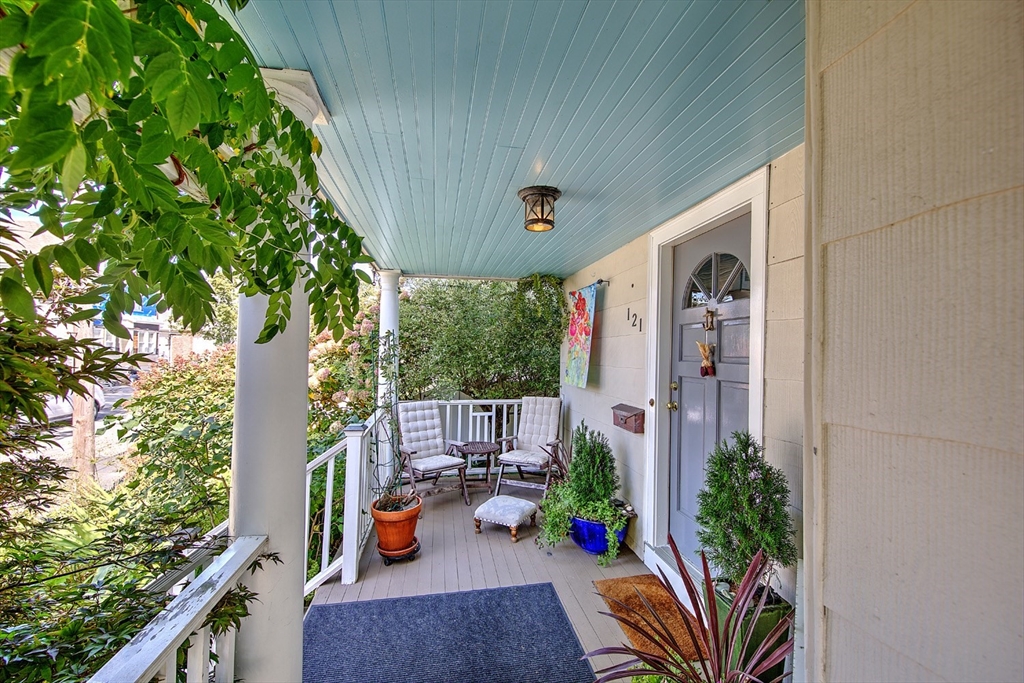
(385,454)
(586,493)
(743,508)
(146,142)
(731,658)
(483,339)
(223,327)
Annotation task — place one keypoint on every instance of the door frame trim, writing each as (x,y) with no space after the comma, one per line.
(749,194)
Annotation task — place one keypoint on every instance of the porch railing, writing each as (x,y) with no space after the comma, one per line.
(478,420)
(328,460)
(154,650)
(463,420)
(359,480)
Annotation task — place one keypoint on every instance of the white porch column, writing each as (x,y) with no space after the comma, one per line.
(268,485)
(388,323)
(268,464)
(388,309)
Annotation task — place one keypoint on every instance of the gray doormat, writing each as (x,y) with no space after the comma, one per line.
(519,634)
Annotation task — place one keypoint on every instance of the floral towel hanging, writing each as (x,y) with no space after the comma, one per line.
(581,329)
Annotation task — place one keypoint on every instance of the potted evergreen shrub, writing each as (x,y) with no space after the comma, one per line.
(743,509)
(583,506)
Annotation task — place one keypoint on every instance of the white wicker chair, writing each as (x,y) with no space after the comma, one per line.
(425,452)
(536,444)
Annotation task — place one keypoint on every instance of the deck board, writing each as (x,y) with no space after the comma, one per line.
(454,558)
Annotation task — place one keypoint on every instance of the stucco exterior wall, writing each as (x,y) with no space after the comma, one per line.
(917,129)
(783,435)
(617,365)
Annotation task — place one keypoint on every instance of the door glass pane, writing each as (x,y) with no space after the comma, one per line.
(701,284)
(694,296)
(740,287)
(726,264)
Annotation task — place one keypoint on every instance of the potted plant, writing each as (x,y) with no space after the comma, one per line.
(394,513)
(583,506)
(743,510)
(719,637)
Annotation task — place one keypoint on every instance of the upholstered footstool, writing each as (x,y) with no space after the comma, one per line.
(506,511)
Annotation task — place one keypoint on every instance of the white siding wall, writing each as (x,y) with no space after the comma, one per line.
(917,125)
(784,335)
(617,370)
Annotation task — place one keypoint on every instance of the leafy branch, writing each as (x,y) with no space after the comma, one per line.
(106,116)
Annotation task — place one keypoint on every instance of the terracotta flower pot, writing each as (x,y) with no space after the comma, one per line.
(396,530)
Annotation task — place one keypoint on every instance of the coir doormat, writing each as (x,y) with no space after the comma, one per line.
(625,590)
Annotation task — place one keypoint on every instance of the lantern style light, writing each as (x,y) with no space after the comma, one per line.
(540,207)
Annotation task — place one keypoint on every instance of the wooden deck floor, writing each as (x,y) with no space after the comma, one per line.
(454,558)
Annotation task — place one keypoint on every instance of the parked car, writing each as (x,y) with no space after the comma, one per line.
(58,408)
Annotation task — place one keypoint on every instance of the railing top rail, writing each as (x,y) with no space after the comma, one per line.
(210,543)
(480,401)
(143,656)
(331,452)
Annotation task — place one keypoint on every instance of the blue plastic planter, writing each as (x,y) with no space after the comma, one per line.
(591,535)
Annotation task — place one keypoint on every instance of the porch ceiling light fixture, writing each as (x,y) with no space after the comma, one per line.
(540,207)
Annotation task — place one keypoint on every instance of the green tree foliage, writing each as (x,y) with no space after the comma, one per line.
(180,419)
(486,339)
(342,375)
(107,116)
(146,143)
(223,328)
(743,508)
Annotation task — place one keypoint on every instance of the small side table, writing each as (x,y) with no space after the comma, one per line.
(485,448)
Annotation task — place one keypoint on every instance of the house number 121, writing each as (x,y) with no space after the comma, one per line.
(634,319)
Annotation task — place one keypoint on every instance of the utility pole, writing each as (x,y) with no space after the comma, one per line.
(83,427)
(83,437)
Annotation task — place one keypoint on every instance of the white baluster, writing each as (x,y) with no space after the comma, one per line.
(169,670)
(225,646)
(198,664)
(325,551)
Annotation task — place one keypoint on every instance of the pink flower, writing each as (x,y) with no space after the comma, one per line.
(323,374)
(354,348)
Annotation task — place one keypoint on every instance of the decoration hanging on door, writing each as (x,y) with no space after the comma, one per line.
(709,320)
(581,329)
(707,363)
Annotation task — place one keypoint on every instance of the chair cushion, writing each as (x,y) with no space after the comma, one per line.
(437,463)
(505,510)
(538,423)
(420,428)
(524,458)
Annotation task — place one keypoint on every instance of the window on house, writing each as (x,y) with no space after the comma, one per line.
(718,278)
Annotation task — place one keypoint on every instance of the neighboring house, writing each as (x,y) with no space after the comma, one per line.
(864,162)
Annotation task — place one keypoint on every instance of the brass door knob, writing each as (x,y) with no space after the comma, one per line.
(672,405)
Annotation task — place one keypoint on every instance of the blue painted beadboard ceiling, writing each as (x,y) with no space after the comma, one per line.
(441,111)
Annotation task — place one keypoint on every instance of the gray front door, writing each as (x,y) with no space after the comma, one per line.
(710,274)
